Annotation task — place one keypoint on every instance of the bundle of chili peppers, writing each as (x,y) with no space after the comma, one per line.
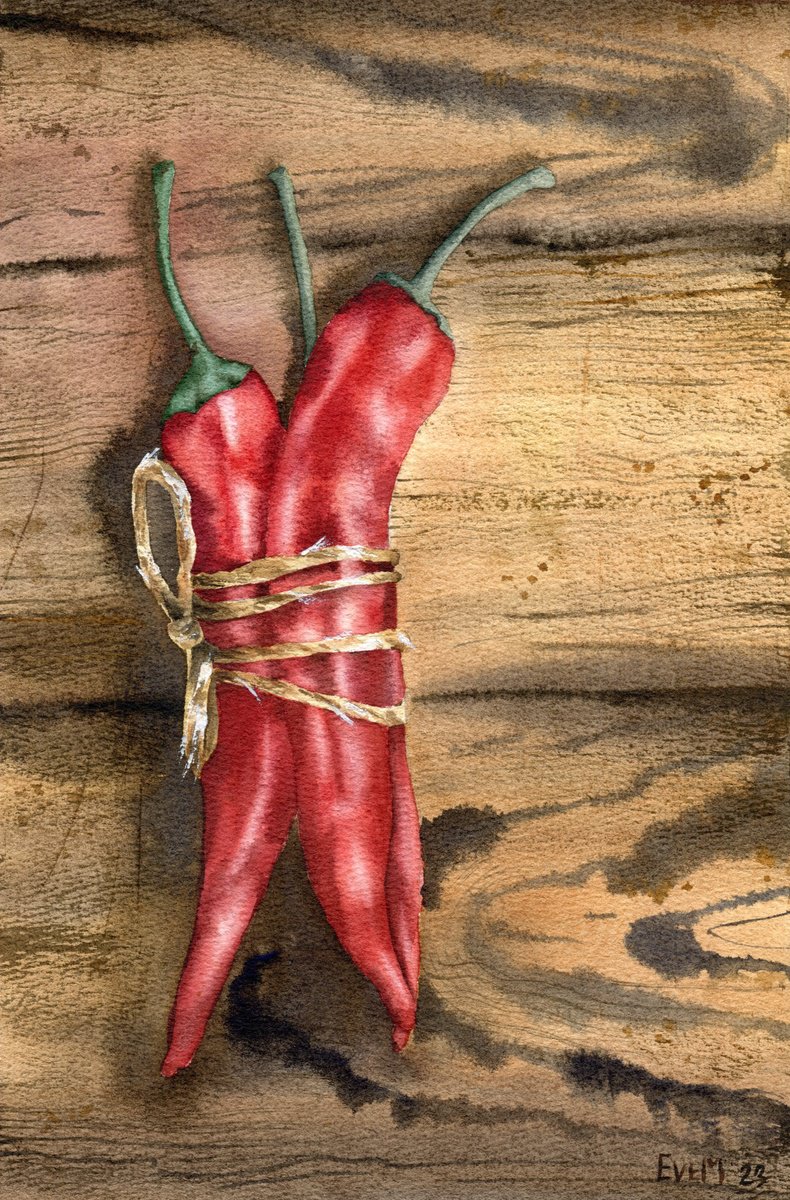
(286,611)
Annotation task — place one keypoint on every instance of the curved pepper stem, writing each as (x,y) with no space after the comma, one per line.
(304,278)
(423,281)
(208,374)
(162,175)
(421,285)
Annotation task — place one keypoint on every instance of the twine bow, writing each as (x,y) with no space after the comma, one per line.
(204,662)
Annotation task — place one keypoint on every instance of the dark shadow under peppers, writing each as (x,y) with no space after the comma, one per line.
(378,370)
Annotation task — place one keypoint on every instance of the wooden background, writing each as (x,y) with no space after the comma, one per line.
(594,532)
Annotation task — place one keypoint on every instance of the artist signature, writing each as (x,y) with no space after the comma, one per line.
(750,1175)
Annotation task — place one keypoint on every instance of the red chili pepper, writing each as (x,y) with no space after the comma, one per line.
(379,369)
(223,434)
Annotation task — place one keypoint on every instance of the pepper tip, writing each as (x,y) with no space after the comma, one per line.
(171,1066)
(400,1038)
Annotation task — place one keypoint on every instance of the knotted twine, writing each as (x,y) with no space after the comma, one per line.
(204,661)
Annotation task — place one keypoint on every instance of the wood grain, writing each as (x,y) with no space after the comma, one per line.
(593,527)
(599,502)
(578,1000)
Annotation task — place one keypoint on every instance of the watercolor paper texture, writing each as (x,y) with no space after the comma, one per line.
(592,529)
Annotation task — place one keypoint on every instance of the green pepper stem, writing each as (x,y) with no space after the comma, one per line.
(422,283)
(208,374)
(304,279)
(163,174)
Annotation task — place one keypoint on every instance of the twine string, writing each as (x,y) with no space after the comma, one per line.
(206,665)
